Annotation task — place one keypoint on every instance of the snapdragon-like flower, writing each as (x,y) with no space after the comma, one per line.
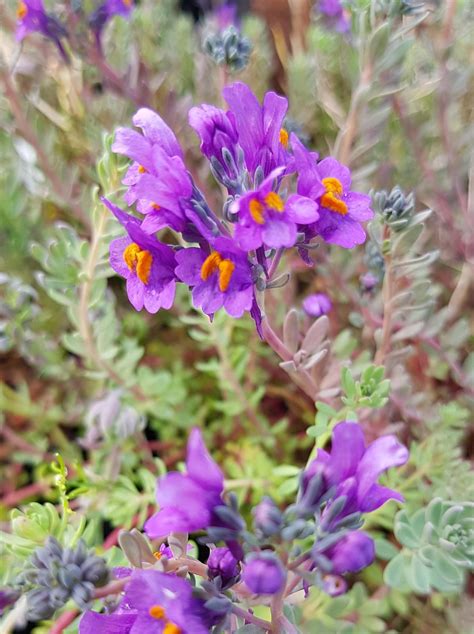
(341,211)
(353,469)
(32,18)
(155,603)
(262,136)
(146,264)
(220,278)
(264,218)
(334,15)
(187,501)
(157,180)
(219,143)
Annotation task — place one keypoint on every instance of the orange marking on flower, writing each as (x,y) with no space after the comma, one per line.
(210,265)
(256,211)
(144,262)
(130,255)
(273,200)
(22,11)
(138,260)
(157,612)
(332,198)
(284,137)
(226,268)
(157,555)
(141,169)
(156,207)
(171,628)
(128,3)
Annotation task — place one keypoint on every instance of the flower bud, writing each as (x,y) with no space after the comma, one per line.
(223,564)
(267,517)
(264,573)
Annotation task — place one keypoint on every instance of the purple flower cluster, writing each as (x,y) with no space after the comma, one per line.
(336,489)
(225,258)
(319,530)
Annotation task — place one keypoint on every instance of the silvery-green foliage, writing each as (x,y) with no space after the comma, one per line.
(438,548)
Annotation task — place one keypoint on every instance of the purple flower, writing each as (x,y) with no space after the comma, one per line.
(351,553)
(32,17)
(264,573)
(155,603)
(335,16)
(222,563)
(260,127)
(353,469)
(146,264)
(187,501)
(104,12)
(317,305)
(219,142)
(265,219)
(157,180)
(340,210)
(222,278)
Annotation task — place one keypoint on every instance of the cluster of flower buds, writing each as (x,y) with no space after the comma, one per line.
(55,574)
(395,207)
(234,254)
(312,542)
(225,44)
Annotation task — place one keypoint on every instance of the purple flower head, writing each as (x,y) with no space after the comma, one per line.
(265,219)
(187,500)
(351,553)
(261,133)
(353,469)
(223,564)
(335,16)
(146,264)
(264,573)
(317,305)
(340,210)
(104,12)
(222,278)
(32,17)
(155,603)
(219,143)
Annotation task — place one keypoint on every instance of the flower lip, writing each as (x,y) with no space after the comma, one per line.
(284,138)
(138,260)
(22,11)
(215,263)
(332,198)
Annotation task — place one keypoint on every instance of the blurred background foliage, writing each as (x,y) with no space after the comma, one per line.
(114,391)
